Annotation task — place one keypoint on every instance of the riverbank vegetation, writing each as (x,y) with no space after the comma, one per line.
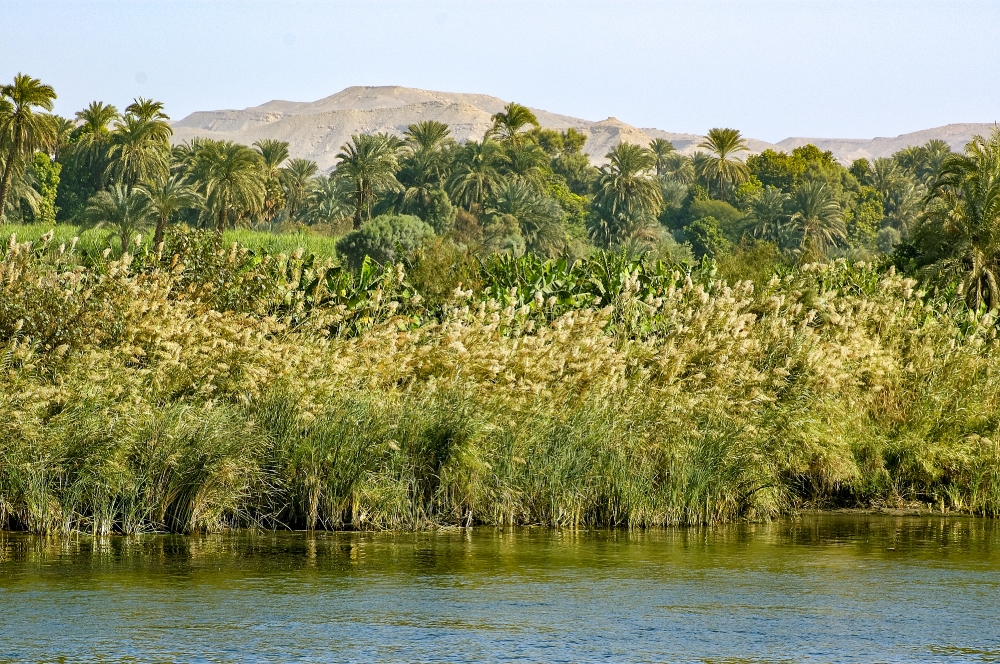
(486,333)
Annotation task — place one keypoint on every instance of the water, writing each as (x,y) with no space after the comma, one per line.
(817,588)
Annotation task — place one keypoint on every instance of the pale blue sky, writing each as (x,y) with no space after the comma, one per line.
(771,69)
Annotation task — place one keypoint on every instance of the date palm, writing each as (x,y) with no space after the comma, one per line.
(768,215)
(126,212)
(231,177)
(627,198)
(661,149)
(817,222)
(509,123)
(722,167)
(295,178)
(94,133)
(528,162)
(166,200)
(370,163)
(138,153)
(539,218)
(477,171)
(23,130)
(963,207)
(274,153)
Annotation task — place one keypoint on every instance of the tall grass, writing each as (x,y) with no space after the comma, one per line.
(212,387)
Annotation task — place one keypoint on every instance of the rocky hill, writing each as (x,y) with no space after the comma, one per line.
(316,130)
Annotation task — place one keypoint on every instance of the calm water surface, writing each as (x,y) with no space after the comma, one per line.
(817,588)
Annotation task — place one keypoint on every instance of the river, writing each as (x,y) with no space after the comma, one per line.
(817,588)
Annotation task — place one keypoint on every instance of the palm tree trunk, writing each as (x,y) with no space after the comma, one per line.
(161,227)
(220,225)
(360,205)
(8,172)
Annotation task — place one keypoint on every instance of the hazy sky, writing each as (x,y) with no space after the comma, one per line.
(771,69)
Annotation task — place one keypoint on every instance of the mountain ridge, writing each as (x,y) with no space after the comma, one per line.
(316,130)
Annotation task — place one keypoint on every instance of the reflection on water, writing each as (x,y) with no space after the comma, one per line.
(817,588)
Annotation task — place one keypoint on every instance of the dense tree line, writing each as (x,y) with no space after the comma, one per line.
(520,189)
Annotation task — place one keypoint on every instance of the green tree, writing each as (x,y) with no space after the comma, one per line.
(45,174)
(538,217)
(370,162)
(295,177)
(385,239)
(769,215)
(960,230)
(508,125)
(274,153)
(817,222)
(721,166)
(23,131)
(477,171)
(127,213)
(661,149)
(776,169)
(167,199)
(706,238)
(230,176)
(137,153)
(628,200)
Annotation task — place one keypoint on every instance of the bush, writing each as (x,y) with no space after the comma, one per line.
(705,237)
(385,239)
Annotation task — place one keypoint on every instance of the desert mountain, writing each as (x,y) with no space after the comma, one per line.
(316,130)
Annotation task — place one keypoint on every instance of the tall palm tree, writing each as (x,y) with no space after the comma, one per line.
(679,167)
(274,153)
(138,153)
(62,130)
(627,198)
(508,124)
(93,137)
(428,135)
(23,131)
(328,200)
(295,177)
(126,212)
(964,206)
(886,175)
(369,162)
(167,199)
(817,220)
(722,167)
(230,176)
(477,171)
(661,149)
(768,214)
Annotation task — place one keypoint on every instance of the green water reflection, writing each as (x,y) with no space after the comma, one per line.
(816,588)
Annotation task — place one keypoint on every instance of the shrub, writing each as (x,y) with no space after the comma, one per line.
(385,239)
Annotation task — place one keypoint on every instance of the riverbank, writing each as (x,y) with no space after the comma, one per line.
(206,388)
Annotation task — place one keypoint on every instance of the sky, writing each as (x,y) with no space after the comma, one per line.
(817,68)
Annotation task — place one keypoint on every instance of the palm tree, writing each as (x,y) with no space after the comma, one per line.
(94,134)
(507,124)
(886,175)
(528,162)
(538,216)
(126,212)
(22,130)
(721,166)
(231,176)
(661,149)
(817,221)
(426,165)
(679,167)
(369,162)
(274,153)
(964,207)
(167,199)
(62,130)
(138,152)
(768,214)
(295,177)
(627,199)
(328,200)
(477,171)
(428,135)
